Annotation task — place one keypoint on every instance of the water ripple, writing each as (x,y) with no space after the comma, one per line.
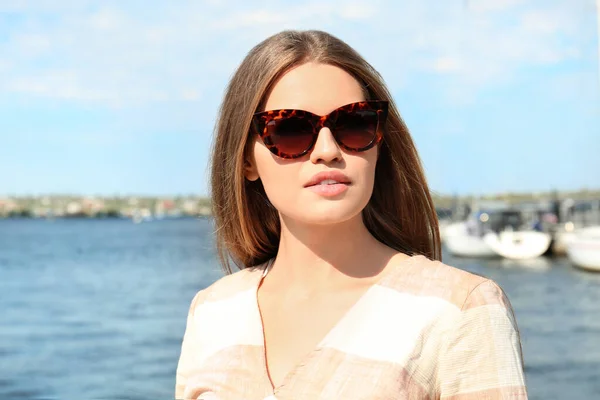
(99,307)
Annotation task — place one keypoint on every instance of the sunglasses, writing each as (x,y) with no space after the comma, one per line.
(291,134)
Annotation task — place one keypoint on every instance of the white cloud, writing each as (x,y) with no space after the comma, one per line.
(362,10)
(129,53)
(190,94)
(448,64)
(32,45)
(489,6)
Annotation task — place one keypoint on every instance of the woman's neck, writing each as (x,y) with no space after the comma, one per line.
(313,258)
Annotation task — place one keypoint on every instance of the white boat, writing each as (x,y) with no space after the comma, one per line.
(561,238)
(575,215)
(443,225)
(460,243)
(583,249)
(518,245)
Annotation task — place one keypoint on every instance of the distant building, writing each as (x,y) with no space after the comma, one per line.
(7,206)
(190,207)
(74,207)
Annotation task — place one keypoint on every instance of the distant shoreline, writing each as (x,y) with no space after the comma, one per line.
(141,208)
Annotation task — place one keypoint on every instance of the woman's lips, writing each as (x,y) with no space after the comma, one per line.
(332,175)
(329,190)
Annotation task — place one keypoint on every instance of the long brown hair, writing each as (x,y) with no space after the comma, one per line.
(400,213)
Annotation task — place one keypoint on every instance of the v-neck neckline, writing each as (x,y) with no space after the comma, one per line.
(326,338)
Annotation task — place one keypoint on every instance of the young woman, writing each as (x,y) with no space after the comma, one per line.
(320,199)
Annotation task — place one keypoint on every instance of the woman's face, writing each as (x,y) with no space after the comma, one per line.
(320,89)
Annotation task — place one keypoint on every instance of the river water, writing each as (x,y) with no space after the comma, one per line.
(96,309)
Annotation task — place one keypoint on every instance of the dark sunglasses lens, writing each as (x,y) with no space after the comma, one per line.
(291,135)
(356,129)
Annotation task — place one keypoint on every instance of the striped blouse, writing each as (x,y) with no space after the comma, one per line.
(425,330)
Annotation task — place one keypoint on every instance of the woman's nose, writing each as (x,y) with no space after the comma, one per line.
(326,148)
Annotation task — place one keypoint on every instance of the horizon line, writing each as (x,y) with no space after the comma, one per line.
(433,193)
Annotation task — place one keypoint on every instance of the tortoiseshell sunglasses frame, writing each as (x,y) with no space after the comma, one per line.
(260,122)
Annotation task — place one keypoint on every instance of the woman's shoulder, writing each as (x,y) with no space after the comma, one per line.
(229,286)
(426,278)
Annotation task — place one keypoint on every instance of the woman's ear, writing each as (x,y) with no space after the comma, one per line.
(250,171)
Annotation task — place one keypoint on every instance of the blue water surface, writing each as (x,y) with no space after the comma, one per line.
(96,309)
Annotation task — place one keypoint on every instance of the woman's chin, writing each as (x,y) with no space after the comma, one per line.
(324,214)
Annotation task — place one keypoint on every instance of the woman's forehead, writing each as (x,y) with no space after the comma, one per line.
(318,88)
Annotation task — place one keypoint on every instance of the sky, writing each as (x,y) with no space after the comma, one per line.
(118,97)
